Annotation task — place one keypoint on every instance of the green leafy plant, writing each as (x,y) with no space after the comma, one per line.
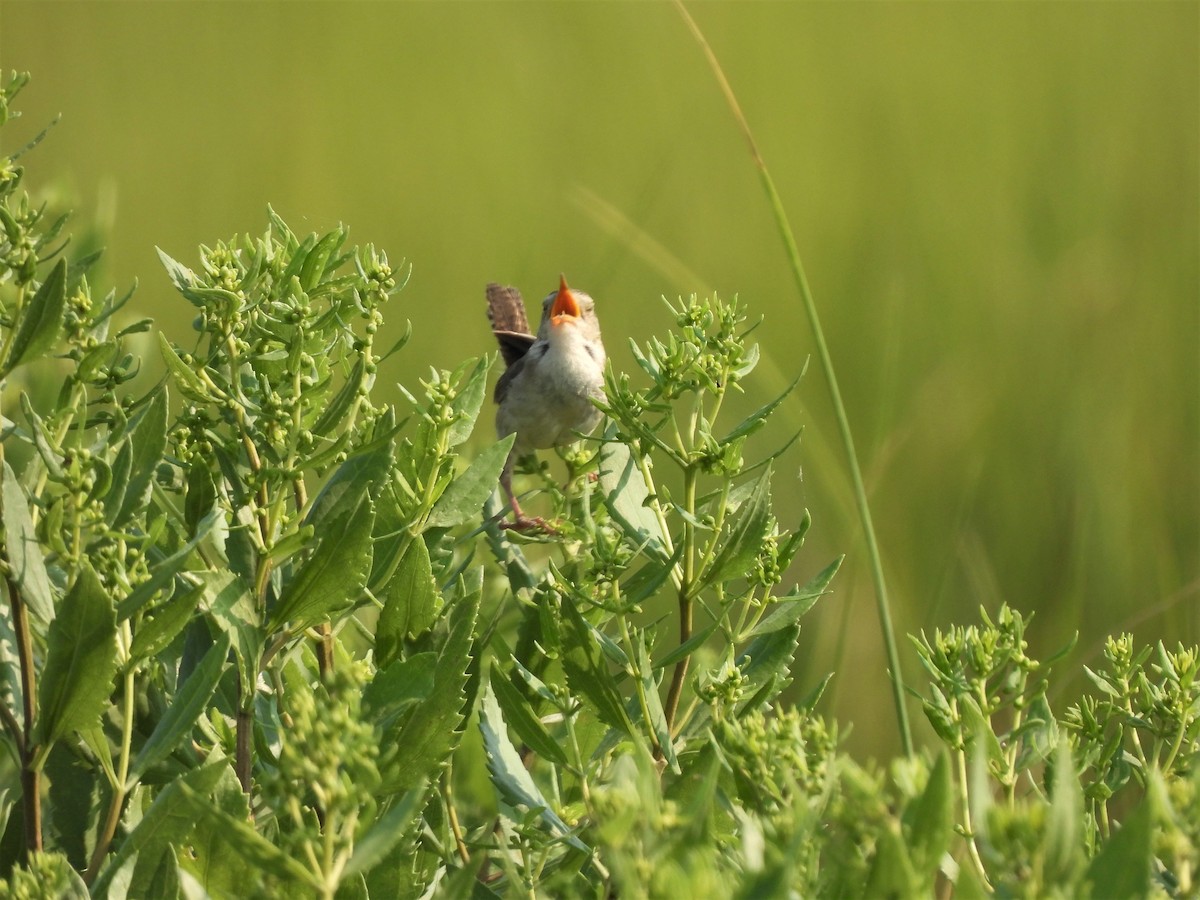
(263,636)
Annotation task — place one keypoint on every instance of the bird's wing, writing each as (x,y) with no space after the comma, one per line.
(513,345)
(507,376)
(506,312)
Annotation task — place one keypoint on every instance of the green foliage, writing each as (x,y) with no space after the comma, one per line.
(254,644)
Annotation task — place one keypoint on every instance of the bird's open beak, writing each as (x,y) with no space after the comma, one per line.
(565,304)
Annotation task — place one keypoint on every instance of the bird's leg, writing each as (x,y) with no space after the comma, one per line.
(520,521)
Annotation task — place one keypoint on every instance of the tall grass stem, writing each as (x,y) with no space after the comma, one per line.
(810,307)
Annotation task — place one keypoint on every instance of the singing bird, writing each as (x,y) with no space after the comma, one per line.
(550,380)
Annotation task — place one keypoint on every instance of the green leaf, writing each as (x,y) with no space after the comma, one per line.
(1124,866)
(657,717)
(315,261)
(169,619)
(191,384)
(587,674)
(758,418)
(509,775)
(892,872)
(333,578)
(464,498)
(188,704)
(627,499)
(168,821)
(77,797)
(229,601)
(256,851)
(746,532)
(41,320)
(688,647)
(397,687)
(928,822)
(431,731)
(122,468)
(468,401)
(50,454)
(765,662)
(149,442)
(163,571)
(387,832)
(791,607)
(24,554)
(366,471)
(81,659)
(1065,853)
(201,494)
(410,603)
(162,883)
(332,415)
(528,727)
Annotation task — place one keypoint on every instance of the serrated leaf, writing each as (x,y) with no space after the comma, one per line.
(463,500)
(426,737)
(41,320)
(509,775)
(410,602)
(149,441)
(746,532)
(627,499)
(528,727)
(23,552)
(766,660)
(333,578)
(81,659)
(189,703)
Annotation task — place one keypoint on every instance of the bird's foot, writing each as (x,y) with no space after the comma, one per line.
(528,525)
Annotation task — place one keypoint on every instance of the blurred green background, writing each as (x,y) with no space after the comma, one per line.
(997,206)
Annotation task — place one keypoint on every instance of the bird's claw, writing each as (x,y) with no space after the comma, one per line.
(528,525)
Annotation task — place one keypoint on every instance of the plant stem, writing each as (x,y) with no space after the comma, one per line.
(30,773)
(968,826)
(245,729)
(810,307)
(679,676)
(104,841)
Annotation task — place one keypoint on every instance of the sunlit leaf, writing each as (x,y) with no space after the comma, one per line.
(464,498)
(509,775)
(22,551)
(41,320)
